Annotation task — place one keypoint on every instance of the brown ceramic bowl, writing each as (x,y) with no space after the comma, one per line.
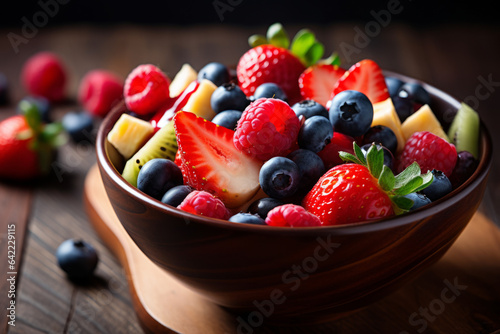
(293,274)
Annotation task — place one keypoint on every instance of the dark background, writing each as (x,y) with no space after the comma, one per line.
(245,12)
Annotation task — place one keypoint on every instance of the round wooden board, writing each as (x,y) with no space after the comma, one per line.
(460,292)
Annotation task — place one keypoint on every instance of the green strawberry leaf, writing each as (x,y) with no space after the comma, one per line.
(359,153)
(409,186)
(31,114)
(409,173)
(348,157)
(256,40)
(402,204)
(277,36)
(334,59)
(426,181)
(386,179)
(314,54)
(375,160)
(302,42)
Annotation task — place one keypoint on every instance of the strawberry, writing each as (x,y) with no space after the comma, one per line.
(26,144)
(363,190)
(430,152)
(330,154)
(210,161)
(365,77)
(269,63)
(317,82)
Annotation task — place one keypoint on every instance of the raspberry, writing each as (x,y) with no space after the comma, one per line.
(146,89)
(99,91)
(44,75)
(204,204)
(430,152)
(267,128)
(291,215)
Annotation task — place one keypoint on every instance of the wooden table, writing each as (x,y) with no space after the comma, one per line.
(462,60)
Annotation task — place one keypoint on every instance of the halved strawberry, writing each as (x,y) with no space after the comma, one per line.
(211,162)
(317,82)
(365,77)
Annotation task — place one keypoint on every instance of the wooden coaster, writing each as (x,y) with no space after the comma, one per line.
(164,305)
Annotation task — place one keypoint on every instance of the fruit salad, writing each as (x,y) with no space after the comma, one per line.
(290,138)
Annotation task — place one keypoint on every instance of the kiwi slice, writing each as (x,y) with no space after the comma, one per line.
(163,144)
(464,130)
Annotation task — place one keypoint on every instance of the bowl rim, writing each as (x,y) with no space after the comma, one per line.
(356,228)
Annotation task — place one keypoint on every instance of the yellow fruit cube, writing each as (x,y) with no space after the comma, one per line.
(129,134)
(385,114)
(182,79)
(199,102)
(423,120)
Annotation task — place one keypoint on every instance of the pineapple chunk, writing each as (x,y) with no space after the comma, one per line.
(199,102)
(423,120)
(129,134)
(182,79)
(385,114)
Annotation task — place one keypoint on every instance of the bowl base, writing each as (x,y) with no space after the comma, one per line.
(164,305)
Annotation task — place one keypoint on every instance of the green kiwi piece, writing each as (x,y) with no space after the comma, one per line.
(163,144)
(464,130)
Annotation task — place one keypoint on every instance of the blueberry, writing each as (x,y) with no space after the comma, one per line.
(262,206)
(41,103)
(228,96)
(228,118)
(419,200)
(439,187)
(279,177)
(464,168)
(383,135)
(404,107)
(247,218)
(315,133)
(157,176)
(351,113)
(311,167)
(416,92)
(309,108)
(216,72)
(77,258)
(79,126)
(388,157)
(174,196)
(393,85)
(269,90)
(4,90)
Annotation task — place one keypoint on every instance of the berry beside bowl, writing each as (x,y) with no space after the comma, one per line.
(307,274)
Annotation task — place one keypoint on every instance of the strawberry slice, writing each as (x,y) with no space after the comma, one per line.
(317,82)
(365,77)
(211,162)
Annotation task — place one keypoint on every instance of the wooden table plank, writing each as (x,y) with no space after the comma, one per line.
(452,58)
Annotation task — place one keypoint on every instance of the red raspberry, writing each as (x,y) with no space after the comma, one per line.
(146,89)
(291,215)
(99,91)
(429,151)
(267,128)
(44,75)
(204,204)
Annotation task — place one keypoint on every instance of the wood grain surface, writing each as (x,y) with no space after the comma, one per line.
(461,60)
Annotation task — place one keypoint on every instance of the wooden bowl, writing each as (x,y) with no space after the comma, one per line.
(291,275)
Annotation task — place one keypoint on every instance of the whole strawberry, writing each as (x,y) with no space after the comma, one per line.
(363,190)
(268,63)
(271,60)
(27,145)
